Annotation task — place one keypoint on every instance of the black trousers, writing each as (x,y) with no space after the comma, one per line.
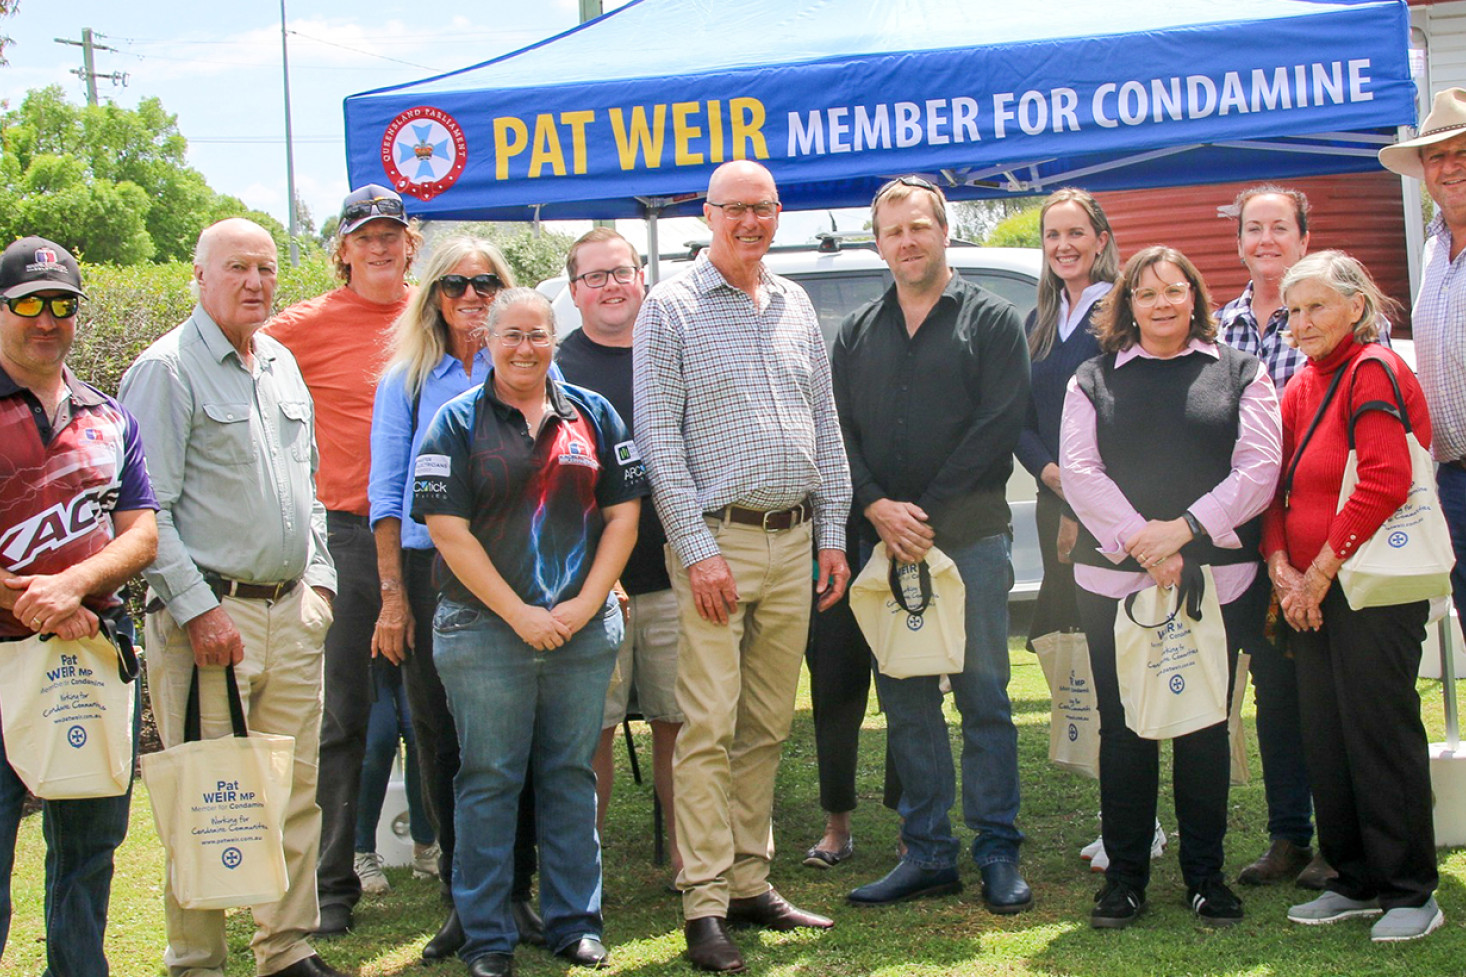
(437,738)
(1054,609)
(348,703)
(1130,765)
(1367,751)
(839,688)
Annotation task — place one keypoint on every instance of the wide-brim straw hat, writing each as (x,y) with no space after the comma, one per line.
(1447,118)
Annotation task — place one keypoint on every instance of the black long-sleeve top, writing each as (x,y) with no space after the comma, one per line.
(933,418)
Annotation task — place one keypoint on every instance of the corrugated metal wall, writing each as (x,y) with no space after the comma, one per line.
(1358,213)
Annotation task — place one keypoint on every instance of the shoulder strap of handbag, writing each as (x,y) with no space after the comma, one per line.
(1395,410)
(191,731)
(924,575)
(1328,398)
(1189,594)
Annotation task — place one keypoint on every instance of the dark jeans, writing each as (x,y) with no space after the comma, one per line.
(391,723)
(1280,743)
(437,738)
(81,837)
(1130,765)
(1451,484)
(1368,756)
(348,703)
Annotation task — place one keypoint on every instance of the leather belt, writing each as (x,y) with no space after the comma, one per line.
(775,521)
(224,587)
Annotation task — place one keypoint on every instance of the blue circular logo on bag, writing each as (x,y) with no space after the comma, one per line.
(1073,732)
(1398,539)
(231,857)
(77,737)
(1178,684)
(914,622)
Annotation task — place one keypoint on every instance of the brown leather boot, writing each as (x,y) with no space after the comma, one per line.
(1281,862)
(710,948)
(1316,874)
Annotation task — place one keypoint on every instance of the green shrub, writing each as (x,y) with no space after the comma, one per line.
(129,307)
(1019,231)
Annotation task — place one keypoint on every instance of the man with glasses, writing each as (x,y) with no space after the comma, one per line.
(932,385)
(341,341)
(67,448)
(737,425)
(243,577)
(607,287)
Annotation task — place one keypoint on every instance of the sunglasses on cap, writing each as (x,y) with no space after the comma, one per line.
(455,285)
(381,206)
(30,306)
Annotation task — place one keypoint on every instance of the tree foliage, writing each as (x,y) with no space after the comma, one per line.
(532,256)
(1018,231)
(111,184)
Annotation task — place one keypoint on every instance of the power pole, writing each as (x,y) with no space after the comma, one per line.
(590,10)
(289,148)
(87,72)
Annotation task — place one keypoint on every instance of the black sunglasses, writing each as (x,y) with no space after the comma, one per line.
(455,285)
(383,206)
(30,306)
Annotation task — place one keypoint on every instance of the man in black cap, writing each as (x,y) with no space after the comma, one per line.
(341,341)
(76,521)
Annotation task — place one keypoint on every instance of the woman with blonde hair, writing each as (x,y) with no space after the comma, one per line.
(438,353)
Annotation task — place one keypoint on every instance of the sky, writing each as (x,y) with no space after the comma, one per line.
(217,67)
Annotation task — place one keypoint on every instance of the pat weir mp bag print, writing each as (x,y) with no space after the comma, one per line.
(219,807)
(67,710)
(912,614)
(1171,662)
(1074,740)
(1409,557)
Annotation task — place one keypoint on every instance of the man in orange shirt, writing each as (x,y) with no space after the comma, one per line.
(341,340)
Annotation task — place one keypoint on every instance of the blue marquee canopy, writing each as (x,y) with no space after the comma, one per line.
(627,115)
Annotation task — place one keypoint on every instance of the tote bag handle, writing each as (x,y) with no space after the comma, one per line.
(924,577)
(191,712)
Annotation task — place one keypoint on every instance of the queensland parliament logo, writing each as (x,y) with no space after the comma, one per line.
(424,152)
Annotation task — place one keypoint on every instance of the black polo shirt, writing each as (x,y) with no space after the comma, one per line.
(933,418)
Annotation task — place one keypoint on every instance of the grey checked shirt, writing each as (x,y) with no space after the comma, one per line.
(232,455)
(734,405)
(1439,321)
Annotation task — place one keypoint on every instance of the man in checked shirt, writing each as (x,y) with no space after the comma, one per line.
(736,423)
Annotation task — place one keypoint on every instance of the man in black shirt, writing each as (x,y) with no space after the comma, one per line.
(607,287)
(931,381)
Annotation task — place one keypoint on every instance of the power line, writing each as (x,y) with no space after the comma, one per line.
(369,54)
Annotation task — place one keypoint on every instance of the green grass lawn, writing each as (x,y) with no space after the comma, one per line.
(951,936)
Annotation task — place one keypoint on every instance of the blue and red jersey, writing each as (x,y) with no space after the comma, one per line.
(533,503)
(59,487)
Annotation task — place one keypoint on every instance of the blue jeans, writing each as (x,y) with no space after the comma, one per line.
(514,708)
(1451,484)
(81,836)
(390,723)
(917,731)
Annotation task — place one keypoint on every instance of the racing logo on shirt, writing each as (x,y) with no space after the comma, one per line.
(50,530)
(577,452)
(424,152)
(626,453)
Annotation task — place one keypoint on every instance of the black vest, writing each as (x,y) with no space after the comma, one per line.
(1166,430)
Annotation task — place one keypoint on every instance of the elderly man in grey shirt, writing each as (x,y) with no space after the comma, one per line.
(242,577)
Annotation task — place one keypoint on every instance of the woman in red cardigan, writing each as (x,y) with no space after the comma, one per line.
(1366,748)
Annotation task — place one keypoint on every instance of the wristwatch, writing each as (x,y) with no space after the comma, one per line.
(1193,524)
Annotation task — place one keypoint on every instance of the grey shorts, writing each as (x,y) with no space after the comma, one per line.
(647,662)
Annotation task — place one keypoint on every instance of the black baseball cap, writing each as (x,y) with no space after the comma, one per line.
(370,203)
(34,264)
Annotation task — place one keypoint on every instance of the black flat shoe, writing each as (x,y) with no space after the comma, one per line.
(448,941)
(586,952)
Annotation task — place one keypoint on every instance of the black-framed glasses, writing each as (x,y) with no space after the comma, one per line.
(381,206)
(455,285)
(30,306)
(734,210)
(624,275)
(511,338)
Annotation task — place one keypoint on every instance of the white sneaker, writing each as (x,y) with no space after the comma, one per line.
(369,871)
(1094,852)
(425,860)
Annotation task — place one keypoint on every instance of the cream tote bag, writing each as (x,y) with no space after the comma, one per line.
(1074,722)
(1409,557)
(913,615)
(219,807)
(1171,657)
(67,709)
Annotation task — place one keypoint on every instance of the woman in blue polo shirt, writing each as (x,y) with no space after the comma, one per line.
(531,489)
